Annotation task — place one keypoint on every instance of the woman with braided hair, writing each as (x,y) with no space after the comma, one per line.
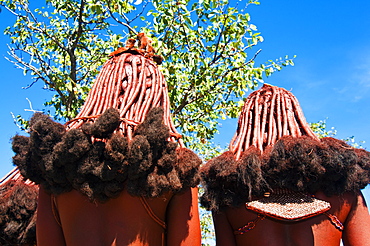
(281,185)
(117,174)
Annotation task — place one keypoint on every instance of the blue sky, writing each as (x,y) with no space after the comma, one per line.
(331,76)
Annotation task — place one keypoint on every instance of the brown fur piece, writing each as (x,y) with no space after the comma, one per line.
(295,163)
(220,179)
(153,124)
(188,167)
(342,167)
(299,164)
(155,161)
(18,213)
(33,153)
(148,166)
(21,147)
(250,175)
(228,182)
(104,126)
(363,161)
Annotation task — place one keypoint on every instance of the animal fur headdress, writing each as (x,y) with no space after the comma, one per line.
(274,147)
(122,137)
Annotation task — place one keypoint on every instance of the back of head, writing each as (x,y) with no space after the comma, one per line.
(267,115)
(274,148)
(123,137)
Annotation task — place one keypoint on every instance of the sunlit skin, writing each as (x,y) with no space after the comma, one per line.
(120,221)
(350,209)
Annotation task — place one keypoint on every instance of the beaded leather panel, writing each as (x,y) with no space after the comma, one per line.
(288,205)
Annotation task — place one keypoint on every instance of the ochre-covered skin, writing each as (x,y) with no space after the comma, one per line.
(120,221)
(350,209)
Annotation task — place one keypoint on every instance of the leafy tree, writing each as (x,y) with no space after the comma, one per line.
(206,225)
(320,129)
(208,46)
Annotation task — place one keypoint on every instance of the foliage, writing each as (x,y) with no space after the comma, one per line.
(62,44)
(208,46)
(320,129)
(208,67)
(206,225)
(352,141)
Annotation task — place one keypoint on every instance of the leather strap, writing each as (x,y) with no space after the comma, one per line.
(54,208)
(252,224)
(151,213)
